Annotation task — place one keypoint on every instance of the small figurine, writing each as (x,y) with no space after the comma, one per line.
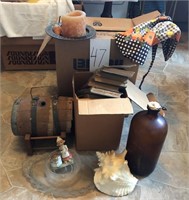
(65,154)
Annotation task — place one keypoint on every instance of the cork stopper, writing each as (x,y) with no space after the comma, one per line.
(153,105)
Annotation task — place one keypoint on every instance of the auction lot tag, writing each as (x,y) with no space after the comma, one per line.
(99,53)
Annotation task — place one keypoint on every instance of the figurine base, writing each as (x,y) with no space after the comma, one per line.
(57,165)
(62,173)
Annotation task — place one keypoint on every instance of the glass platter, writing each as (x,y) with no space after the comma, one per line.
(77,182)
(90,32)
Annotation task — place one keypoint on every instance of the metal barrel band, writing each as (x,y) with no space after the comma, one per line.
(57,127)
(33,116)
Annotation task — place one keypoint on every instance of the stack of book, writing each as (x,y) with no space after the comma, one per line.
(107,82)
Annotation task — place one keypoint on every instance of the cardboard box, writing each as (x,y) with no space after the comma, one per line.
(74,55)
(98,122)
(121,24)
(21,54)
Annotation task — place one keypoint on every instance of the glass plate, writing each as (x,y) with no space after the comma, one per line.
(75,183)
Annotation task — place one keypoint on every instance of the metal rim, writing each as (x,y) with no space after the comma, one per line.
(90,32)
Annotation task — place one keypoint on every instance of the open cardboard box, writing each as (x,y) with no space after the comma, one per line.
(74,55)
(20,53)
(119,24)
(99,122)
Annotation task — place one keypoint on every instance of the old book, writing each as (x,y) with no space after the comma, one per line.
(83,91)
(120,72)
(93,92)
(126,66)
(86,93)
(106,93)
(93,83)
(111,76)
(109,81)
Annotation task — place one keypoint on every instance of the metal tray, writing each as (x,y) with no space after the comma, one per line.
(90,32)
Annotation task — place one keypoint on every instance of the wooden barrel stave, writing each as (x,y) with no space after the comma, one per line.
(44,112)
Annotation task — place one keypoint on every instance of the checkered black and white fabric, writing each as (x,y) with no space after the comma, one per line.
(132,49)
(144,27)
(136,42)
(168,47)
(165,30)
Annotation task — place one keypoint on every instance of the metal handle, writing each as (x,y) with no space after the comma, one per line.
(37,97)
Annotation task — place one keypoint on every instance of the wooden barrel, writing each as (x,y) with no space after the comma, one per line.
(42,116)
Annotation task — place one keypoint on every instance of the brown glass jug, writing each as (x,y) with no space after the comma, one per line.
(147,134)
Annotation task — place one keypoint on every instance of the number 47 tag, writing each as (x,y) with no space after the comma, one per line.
(99,53)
